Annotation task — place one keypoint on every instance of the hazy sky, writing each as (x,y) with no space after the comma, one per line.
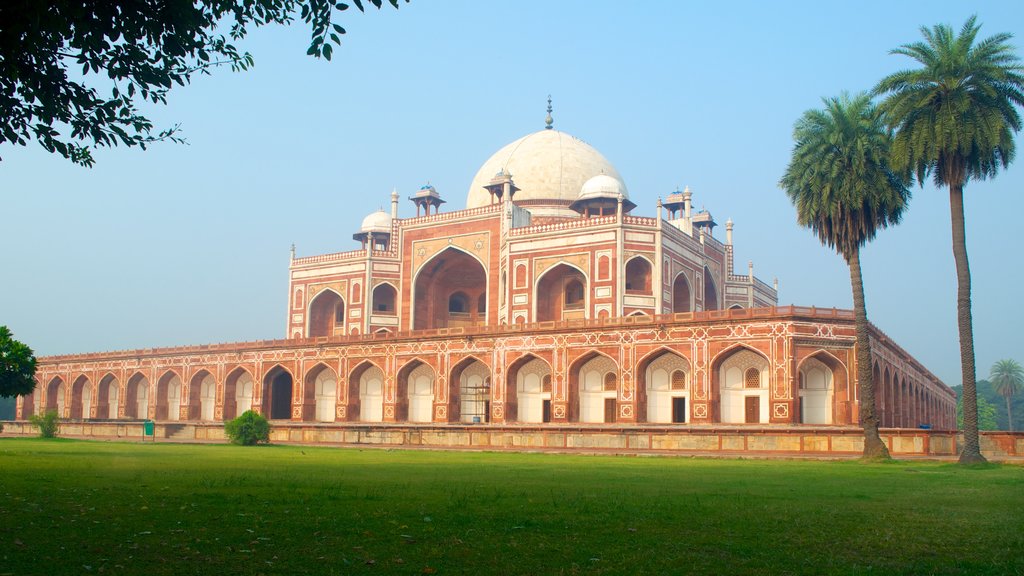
(189,244)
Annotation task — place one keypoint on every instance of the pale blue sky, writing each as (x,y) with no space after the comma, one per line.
(189,244)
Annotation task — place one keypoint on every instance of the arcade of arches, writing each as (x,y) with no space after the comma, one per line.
(532,380)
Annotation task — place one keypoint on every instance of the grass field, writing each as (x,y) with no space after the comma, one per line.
(72,507)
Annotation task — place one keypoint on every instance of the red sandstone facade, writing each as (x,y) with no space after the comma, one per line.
(549,304)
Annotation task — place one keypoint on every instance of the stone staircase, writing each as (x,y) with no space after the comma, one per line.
(184,432)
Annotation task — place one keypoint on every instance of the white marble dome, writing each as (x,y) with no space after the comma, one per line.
(547,165)
(379,221)
(602,186)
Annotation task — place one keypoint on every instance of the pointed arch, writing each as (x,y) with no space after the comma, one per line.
(469,391)
(138,397)
(663,387)
(711,298)
(385,299)
(320,394)
(737,401)
(528,393)
(682,295)
(638,275)
(108,395)
(414,398)
(239,388)
(451,270)
(278,385)
(561,292)
(202,396)
(366,393)
(55,393)
(168,396)
(587,391)
(325,315)
(82,398)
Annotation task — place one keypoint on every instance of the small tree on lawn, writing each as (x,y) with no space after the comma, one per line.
(248,429)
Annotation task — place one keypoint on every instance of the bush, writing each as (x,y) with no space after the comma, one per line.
(48,423)
(248,429)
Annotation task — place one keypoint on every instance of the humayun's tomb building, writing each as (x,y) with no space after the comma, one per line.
(545,313)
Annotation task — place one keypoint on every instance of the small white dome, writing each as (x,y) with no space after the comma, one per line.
(379,221)
(602,186)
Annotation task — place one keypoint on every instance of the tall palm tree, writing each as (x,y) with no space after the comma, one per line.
(1007,379)
(955,118)
(844,191)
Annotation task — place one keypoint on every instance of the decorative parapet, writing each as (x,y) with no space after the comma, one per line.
(446,216)
(567,225)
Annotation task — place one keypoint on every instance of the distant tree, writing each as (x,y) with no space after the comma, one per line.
(60,58)
(987,419)
(1007,378)
(48,423)
(17,366)
(844,191)
(955,119)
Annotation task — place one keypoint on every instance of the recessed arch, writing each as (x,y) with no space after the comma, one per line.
(414,398)
(663,387)
(590,399)
(738,401)
(202,396)
(325,315)
(82,398)
(137,397)
(385,299)
(55,395)
(469,391)
(528,391)
(366,392)
(638,275)
(822,389)
(108,395)
(168,396)
(278,384)
(449,271)
(711,301)
(561,293)
(239,388)
(682,295)
(320,393)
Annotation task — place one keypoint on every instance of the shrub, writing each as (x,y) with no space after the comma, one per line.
(248,429)
(48,423)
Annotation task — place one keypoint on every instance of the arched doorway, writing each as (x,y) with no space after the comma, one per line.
(638,276)
(55,392)
(326,314)
(366,393)
(320,394)
(415,397)
(137,401)
(451,272)
(815,392)
(277,394)
(595,380)
(665,389)
(168,397)
(385,300)
(469,396)
(238,390)
(108,394)
(710,291)
(682,299)
(81,398)
(561,294)
(528,396)
(742,386)
(202,401)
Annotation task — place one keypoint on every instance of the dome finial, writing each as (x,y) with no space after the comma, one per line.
(549,120)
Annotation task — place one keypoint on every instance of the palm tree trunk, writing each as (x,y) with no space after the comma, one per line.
(971,453)
(874,448)
(1009,412)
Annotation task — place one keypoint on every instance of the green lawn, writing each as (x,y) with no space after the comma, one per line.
(73,507)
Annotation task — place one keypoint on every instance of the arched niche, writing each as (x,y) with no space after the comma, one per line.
(326,314)
(450,272)
(561,294)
